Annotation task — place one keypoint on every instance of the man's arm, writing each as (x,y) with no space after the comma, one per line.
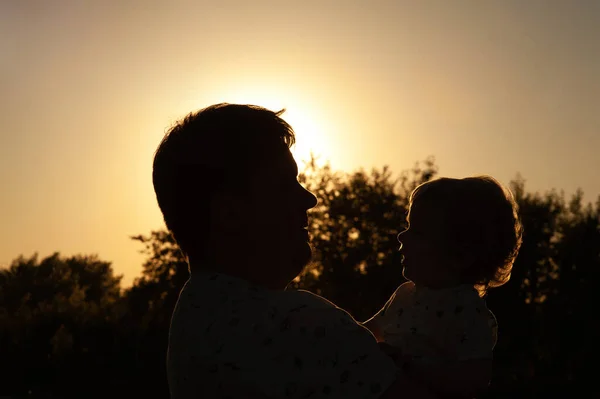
(406,388)
(463,379)
(324,353)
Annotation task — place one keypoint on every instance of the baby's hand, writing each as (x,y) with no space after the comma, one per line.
(401,359)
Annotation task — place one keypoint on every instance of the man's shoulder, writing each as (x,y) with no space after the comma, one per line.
(251,306)
(277,340)
(306,309)
(307,298)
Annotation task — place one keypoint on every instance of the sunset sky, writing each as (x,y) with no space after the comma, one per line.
(88,88)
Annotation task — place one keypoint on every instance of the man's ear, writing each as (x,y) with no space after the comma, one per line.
(226,212)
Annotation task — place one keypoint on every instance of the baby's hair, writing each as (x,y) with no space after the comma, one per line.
(479,222)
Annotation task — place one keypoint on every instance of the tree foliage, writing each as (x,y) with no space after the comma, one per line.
(56,316)
(68,329)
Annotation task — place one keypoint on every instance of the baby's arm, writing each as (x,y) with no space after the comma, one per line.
(375,329)
(375,323)
(463,379)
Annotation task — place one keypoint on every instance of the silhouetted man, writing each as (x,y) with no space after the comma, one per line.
(227,186)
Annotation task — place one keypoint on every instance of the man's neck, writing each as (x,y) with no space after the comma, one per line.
(243,269)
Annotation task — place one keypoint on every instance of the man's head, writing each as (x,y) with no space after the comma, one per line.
(227,186)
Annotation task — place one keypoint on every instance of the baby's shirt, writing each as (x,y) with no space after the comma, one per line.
(438,326)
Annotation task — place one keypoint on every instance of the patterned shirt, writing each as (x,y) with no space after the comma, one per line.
(434,326)
(229,338)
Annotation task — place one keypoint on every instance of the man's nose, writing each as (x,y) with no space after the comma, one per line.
(309,199)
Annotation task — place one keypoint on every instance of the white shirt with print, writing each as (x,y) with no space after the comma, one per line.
(437,326)
(229,338)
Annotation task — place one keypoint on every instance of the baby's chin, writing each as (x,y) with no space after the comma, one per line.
(408,274)
(405,273)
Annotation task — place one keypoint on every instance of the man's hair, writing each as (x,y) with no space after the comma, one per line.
(215,148)
(479,218)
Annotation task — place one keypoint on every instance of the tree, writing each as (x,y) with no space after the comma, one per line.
(518,305)
(56,321)
(547,340)
(165,271)
(146,313)
(573,329)
(68,330)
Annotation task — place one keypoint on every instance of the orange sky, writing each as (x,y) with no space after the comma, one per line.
(87,89)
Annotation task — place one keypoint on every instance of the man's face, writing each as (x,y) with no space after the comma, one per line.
(276,212)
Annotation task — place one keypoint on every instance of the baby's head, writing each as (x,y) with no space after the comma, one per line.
(461,231)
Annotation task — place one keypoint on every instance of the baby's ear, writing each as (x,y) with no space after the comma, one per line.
(469,259)
(463,260)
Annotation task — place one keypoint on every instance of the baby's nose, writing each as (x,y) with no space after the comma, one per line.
(398,237)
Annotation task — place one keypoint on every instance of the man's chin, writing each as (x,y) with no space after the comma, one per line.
(302,258)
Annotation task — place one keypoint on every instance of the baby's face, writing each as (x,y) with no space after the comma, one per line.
(425,248)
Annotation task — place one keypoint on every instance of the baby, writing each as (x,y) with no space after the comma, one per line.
(462,238)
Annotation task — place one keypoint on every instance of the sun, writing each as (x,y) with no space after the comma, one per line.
(312,137)
(312,133)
